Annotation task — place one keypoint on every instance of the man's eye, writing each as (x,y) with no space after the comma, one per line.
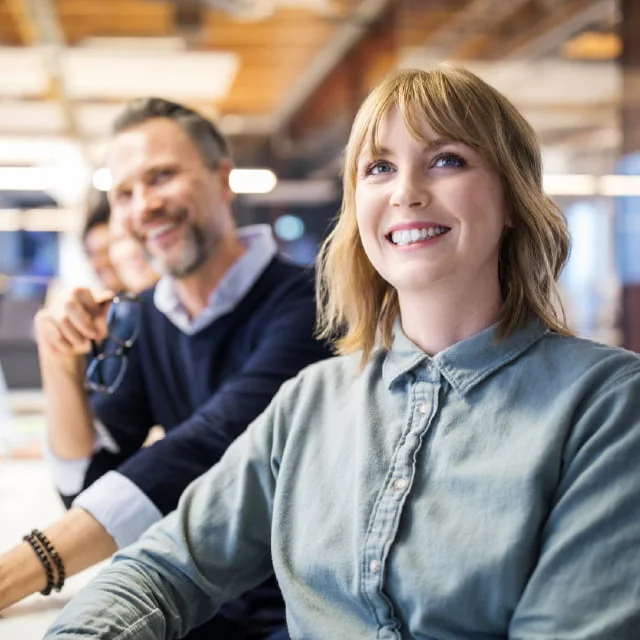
(449,160)
(377,168)
(161,175)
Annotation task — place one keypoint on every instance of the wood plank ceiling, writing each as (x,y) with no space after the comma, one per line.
(288,63)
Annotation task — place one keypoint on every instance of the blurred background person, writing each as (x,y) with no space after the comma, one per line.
(128,260)
(96,241)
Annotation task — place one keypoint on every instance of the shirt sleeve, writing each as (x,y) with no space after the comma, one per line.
(122,421)
(69,475)
(120,506)
(286,346)
(214,547)
(586,583)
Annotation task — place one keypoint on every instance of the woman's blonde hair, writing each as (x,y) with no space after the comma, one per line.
(354,302)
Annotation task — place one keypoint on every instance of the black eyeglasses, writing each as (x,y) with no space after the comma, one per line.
(109,363)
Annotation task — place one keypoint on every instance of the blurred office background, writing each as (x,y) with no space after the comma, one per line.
(284,78)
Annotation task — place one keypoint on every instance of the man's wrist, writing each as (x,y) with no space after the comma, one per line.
(55,364)
(20,575)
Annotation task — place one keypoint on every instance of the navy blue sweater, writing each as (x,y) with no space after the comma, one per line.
(206,388)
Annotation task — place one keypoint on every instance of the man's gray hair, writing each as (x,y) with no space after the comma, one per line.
(202,132)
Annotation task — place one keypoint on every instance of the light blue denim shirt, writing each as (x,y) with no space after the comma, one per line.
(490,492)
(113,500)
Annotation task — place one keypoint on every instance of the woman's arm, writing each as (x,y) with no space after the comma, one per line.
(587,580)
(213,548)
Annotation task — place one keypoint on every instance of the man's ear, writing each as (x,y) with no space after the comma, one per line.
(224,171)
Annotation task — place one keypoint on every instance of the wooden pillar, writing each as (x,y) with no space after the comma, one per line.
(628,208)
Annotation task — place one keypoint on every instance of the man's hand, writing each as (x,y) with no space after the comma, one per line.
(69,332)
(64,338)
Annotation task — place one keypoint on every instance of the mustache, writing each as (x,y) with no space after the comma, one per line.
(161,214)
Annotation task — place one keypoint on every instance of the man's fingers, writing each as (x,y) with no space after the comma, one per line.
(79,341)
(49,332)
(81,318)
(85,298)
(88,314)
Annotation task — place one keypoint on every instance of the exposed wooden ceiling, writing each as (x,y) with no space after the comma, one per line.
(297,69)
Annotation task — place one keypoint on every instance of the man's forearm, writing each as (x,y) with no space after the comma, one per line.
(80,540)
(68,416)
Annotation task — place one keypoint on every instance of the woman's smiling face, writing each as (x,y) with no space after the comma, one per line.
(429,210)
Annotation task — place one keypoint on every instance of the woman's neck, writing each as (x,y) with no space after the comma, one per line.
(441,317)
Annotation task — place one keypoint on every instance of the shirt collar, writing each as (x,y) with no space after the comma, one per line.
(464,364)
(232,288)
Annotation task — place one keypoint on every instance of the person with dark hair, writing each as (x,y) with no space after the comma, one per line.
(129,260)
(467,468)
(96,241)
(202,354)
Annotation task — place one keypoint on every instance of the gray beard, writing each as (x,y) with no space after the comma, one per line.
(193,257)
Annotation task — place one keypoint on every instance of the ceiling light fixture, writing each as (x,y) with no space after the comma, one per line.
(240,180)
(562,184)
(27,178)
(252,180)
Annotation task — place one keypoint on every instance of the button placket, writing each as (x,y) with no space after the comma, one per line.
(384,529)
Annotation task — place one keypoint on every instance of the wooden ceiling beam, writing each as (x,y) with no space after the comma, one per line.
(329,58)
(314,137)
(473,21)
(111,7)
(549,33)
(21,18)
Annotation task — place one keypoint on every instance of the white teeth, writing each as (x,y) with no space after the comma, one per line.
(409,236)
(158,231)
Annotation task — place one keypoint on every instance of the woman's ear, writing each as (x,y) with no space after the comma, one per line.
(509,218)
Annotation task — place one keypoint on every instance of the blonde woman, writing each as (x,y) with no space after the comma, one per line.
(466,468)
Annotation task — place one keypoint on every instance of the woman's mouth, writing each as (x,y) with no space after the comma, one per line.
(406,237)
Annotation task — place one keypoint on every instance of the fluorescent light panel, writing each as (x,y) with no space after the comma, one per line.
(38,219)
(569,185)
(619,185)
(240,180)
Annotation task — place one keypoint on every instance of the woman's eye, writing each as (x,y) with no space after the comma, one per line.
(449,160)
(377,168)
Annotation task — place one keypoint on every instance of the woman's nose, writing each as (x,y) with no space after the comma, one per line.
(410,192)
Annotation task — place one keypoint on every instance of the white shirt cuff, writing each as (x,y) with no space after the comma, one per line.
(120,507)
(68,475)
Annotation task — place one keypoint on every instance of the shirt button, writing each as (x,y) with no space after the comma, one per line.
(431,368)
(375,566)
(423,408)
(400,484)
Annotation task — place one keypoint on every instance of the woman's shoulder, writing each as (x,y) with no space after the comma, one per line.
(332,377)
(587,357)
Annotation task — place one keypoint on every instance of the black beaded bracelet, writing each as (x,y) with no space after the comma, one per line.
(44,560)
(54,555)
